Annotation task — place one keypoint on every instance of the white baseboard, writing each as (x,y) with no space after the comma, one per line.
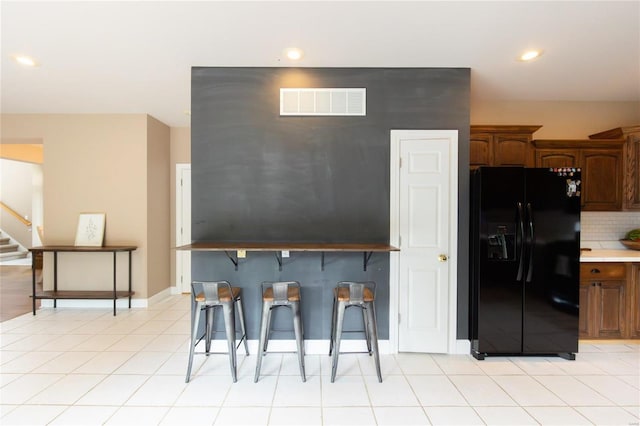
(159,297)
(321,347)
(463,346)
(311,347)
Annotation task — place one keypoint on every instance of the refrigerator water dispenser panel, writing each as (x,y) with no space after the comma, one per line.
(501,242)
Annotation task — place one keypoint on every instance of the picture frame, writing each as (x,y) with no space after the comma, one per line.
(90,231)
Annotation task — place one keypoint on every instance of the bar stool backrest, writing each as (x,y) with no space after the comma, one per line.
(357,290)
(211,290)
(280,290)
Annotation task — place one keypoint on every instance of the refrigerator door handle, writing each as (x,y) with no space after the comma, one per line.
(521,226)
(531,239)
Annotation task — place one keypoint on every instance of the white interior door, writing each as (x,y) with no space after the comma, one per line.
(425,224)
(183,226)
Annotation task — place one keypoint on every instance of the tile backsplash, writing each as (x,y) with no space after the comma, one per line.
(607,226)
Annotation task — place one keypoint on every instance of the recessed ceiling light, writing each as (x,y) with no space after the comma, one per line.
(530,55)
(25,60)
(293,53)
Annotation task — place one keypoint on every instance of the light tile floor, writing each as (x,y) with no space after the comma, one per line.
(84,366)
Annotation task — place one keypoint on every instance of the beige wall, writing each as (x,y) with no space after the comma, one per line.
(158,206)
(180,154)
(560,120)
(100,163)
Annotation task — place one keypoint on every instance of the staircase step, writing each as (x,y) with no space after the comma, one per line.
(4,240)
(13,255)
(5,248)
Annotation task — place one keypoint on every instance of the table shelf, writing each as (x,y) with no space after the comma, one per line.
(86,294)
(56,294)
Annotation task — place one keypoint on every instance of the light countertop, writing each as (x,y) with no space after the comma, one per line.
(601,255)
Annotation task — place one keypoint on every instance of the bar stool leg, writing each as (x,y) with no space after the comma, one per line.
(268,328)
(262,343)
(367,333)
(337,336)
(242,325)
(333,325)
(373,332)
(297,326)
(209,314)
(230,329)
(195,321)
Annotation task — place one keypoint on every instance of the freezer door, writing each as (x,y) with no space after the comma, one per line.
(497,245)
(550,323)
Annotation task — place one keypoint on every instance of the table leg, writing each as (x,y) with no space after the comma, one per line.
(33,279)
(55,278)
(114,283)
(129,279)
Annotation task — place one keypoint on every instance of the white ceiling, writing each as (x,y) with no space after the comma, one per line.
(136,57)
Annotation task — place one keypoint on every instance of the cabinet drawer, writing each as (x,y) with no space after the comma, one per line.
(602,271)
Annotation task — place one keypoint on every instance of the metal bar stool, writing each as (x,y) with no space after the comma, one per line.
(207,296)
(276,295)
(349,294)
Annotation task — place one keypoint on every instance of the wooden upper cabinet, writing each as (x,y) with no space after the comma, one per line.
(600,162)
(512,150)
(630,163)
(600,173)
(480,149)
(554,158)
(501,146)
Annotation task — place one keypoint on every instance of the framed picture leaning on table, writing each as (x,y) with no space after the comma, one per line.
(90,230)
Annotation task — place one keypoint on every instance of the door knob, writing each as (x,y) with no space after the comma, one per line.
(442,258)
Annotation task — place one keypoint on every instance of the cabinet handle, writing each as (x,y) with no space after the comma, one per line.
(595,271)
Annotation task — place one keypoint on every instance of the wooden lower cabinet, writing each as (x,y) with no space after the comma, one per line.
(608,301)
(634,301)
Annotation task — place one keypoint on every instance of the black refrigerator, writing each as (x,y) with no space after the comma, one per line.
(524,261)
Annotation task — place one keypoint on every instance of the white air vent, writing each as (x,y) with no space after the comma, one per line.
(295,101)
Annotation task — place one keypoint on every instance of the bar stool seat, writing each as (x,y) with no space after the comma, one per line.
(348,294)
(275,295)
(207,296)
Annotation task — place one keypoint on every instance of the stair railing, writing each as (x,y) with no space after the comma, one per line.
(15,214)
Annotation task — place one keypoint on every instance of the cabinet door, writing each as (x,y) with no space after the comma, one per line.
(631,182)
(633,309)
(480,150)
(512,150)
(612,306)
(602,179)
(586,311)
(557,158)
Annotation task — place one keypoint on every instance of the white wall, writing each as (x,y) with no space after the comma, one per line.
(16,188)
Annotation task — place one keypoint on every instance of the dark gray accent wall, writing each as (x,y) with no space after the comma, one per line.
(257,176)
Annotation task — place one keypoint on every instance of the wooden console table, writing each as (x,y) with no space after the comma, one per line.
(366,249)
(86,294)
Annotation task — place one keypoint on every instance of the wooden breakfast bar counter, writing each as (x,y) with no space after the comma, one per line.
(278,247)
